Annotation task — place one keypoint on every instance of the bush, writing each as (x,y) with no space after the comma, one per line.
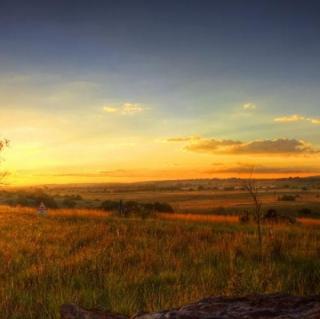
(34,200)
(272,216)
(74,197)
(143,212)
(305,211)
(68,203)
(244,217)
(287,198)
(309,212)
(136,208)
(110,205)
(163,207)
(229,188)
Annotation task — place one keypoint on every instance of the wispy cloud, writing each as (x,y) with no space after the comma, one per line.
(125,109)
(249,106)
(110,109)
(289,118)
(265,169)
(272,147)
(110,173)
(132,108)
(296,118)
(315,121)
(183,139)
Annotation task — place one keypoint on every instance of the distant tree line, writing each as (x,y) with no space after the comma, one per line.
(136,208)
(272,215)
(33,199)
(122,208)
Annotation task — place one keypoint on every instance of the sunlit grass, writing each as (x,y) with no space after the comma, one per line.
(309,221)
(201,217)
(126,265)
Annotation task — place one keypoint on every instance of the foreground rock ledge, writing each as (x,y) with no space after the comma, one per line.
(250,307)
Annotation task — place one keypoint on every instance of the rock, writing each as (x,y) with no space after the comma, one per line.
(275,306)
(70,311)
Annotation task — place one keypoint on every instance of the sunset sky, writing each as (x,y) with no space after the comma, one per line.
(117,91)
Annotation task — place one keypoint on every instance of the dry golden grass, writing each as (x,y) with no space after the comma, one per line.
(309,221)
(224,218)
(129,264)
(201,218)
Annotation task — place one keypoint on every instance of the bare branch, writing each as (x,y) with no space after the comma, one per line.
(252,189)
(3,144)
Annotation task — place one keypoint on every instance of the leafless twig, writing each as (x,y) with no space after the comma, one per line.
(252,189)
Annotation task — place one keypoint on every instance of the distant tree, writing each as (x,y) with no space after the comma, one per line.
(244,217)
(287,198)
(162,207)
(3,144)
(252,189)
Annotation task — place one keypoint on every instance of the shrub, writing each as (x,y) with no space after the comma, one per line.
(163,207)
(68,203)
(229,188)
(244,217)
(46,199)
(136,208)
(34,199)
(272,216)
(109,205)
(305,211)
(74,197)
(287,198)
(309,212)
(143,212)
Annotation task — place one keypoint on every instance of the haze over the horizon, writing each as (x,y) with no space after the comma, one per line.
(117,91)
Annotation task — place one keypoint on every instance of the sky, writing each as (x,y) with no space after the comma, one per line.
(123,91)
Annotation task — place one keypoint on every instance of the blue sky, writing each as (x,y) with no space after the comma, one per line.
(183,68)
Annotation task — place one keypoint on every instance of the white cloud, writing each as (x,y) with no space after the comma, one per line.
(296,118)
(315,121)
(131,108)
(125,109)
(290,118)
(249,106)
(110,109)
(183,139)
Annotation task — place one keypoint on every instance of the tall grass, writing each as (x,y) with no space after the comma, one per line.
(128,265)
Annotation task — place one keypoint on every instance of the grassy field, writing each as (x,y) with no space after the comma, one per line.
(207,196)
(126,265)
(206,201)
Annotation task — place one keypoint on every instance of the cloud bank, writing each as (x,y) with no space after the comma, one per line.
(296,118)
(265,170)
(221,146)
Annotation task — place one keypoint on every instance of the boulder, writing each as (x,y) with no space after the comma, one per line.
(273,306)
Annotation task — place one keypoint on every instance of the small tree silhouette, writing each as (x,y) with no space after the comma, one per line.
(3,144)
(251,187)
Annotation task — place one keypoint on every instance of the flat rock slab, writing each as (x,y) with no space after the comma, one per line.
(277,306)
(74,312)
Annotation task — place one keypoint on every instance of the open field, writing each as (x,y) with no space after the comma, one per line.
(224,218)
(210,201)
(94,259)
(224,197)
